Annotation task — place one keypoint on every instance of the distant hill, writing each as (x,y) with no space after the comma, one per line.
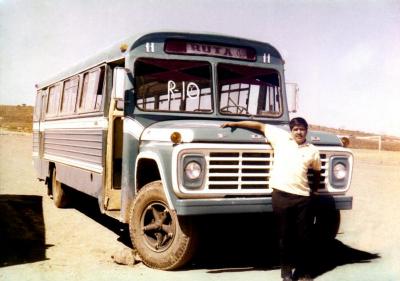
(19,118)
(16,117)
(357,140)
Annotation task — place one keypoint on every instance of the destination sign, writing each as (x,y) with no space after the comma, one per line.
(205,49)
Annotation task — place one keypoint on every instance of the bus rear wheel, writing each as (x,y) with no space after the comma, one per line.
(60,196)
(162,239)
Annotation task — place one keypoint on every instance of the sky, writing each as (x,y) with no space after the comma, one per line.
(343,54)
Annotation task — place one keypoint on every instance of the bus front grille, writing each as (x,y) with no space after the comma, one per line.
(247,172)
(239,170)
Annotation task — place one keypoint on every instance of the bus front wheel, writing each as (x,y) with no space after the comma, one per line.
(162,239)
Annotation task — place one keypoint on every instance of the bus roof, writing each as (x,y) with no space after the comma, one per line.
(114,53)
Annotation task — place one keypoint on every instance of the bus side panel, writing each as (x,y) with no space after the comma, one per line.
(78,154)
(85,181)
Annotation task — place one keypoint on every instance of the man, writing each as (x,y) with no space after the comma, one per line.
(291,200)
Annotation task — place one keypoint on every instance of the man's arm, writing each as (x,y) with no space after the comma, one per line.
(246,124)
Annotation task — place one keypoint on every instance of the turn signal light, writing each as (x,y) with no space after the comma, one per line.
(345,141)
(123,47)
(176,137)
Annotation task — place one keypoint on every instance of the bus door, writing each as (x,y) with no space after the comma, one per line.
(113,166)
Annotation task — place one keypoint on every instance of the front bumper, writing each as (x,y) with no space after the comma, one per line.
(186,207)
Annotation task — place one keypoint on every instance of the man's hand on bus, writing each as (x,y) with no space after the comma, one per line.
(228,124)
(245,124)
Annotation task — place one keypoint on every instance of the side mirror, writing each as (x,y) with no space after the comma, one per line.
(118,91)
(292,94)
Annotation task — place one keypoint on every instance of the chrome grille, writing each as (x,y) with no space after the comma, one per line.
(247,171)
(239,170)
(324,175)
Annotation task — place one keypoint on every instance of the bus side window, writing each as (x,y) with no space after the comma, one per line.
(69,96)
(91,98)
(53,100)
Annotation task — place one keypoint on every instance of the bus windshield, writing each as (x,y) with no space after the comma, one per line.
(186,86)
(245,90)
(173,85)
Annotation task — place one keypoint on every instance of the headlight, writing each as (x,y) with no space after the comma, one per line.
(339,171)
(193,170)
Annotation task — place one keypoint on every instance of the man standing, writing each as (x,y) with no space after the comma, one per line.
(291,195)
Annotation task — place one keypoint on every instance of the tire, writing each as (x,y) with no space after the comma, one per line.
(162,239)
(327,223)
(60,196)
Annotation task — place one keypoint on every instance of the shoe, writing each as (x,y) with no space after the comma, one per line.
(286,273)
(306,278)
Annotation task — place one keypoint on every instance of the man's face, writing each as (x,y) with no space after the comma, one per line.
(299,134)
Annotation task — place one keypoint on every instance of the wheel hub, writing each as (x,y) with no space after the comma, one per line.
(158,227)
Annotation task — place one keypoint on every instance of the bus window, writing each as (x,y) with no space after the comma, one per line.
(38,107)
(91,98)
(245,90)
(173,85)
(53,99)
(70,94)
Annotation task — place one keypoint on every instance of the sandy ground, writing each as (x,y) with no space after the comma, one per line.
(41,242)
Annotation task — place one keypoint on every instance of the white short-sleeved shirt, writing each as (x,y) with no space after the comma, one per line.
(291,162)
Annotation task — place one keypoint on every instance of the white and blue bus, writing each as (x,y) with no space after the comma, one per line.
(138,127)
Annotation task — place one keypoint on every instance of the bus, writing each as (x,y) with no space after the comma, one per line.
(137,126)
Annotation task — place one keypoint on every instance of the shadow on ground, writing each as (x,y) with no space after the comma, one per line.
(247,242)
(89,206)
(22,230)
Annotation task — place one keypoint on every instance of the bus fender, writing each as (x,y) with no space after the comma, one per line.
(155,157)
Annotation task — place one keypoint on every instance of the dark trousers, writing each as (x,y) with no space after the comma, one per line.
(294,220)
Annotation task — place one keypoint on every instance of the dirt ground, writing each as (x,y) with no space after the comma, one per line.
(41,242)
